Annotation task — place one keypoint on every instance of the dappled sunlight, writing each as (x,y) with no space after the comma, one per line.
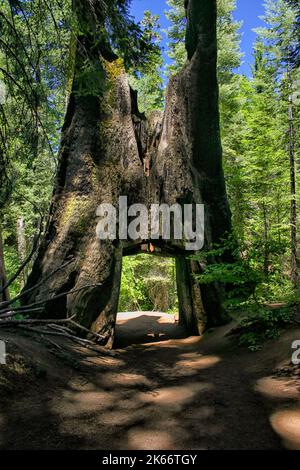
(140,439)
(129,396)
(166,344)
(170,319)
(285,420)
(286,423)
(173,394)
(193,361)
(190,367)
(159,317)
(191,340)
(125,380)
(72,404)
(276,388)
(175,397)
(108,363)
(121,418)
(149,419)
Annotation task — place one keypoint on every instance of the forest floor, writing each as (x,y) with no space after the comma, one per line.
(158,390)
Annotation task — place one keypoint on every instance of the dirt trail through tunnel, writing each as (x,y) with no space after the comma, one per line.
(154,393)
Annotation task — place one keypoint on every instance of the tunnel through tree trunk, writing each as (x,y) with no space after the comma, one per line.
(105,142)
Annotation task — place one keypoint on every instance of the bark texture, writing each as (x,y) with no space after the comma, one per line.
(4,294)
(108,149)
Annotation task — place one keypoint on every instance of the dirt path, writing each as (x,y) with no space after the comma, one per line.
(154,393)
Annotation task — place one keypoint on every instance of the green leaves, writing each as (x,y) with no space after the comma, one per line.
(90,80)
(239,273)
(264,325)
(148,283)
(176,35)
(147,79)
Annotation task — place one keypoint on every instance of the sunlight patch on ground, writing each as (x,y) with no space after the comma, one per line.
(193,361)
(133,328)
(140,439)
(191,340)
(276,388)
(162,317)
(286,423)
(125,380)
(122,418)
(176,343)
(78,404)
(174,397)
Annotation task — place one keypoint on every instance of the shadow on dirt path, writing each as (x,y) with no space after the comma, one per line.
(146,327)
(175,392)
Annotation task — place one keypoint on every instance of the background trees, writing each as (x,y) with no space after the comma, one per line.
(147,79)
(34,61)
(37,54)
(260,137)
(148,283)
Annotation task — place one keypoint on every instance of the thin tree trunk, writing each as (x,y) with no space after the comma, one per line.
(21,245)
(4,297)
(293,217)
(266,239)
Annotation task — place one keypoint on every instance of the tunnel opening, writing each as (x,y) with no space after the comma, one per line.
(148,309)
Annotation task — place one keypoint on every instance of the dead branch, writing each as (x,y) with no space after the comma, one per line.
(36,286)
(60,328)
(25,262)
(86,330)
(42,302)
(12,313)
(52,343)
(30,321)
(82,342)
(56,324)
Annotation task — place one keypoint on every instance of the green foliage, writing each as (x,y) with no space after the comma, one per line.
(148,283)
(238,274)
(278,36)
(134,42)
(11,264)
(147,79)
(254,124)
(295,53)
(34,68)
(176,35)
(37,65)
(90,80)
(265,325)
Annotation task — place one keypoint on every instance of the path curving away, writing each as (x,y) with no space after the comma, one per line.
(159,390)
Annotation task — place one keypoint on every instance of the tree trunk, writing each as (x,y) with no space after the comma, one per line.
(104,144)
(4,296)
(266,250)
(293,218)
(21,246)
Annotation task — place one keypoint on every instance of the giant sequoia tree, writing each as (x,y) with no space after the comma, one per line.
(105,144)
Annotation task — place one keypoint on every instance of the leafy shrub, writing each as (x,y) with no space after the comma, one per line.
(237,275)
(265,325)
